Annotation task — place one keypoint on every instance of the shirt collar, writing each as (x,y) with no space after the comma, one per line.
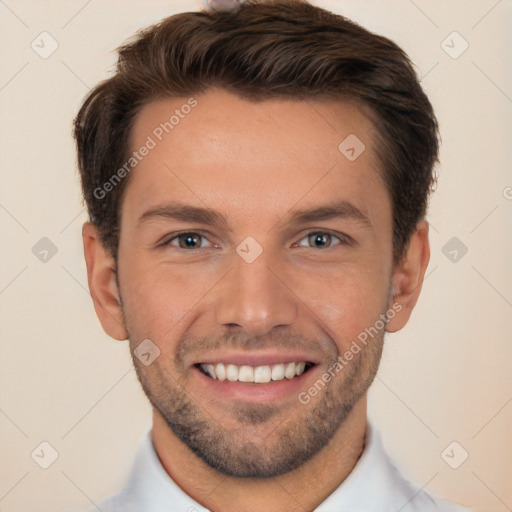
(373,484)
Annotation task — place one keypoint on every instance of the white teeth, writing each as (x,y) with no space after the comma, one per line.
(246,374)
(232,372)
(278,372)
(220,370)
(289,372)
(262,374)
(210,368)
(258,374)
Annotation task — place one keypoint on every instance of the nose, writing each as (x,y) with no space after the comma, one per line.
(256,297)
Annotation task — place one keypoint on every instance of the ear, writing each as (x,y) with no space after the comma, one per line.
(408,277)
(101,273)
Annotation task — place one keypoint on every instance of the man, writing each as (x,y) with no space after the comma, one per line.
(257,182)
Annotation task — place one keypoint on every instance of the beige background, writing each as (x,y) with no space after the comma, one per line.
(444,378)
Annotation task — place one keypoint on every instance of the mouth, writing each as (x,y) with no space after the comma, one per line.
(261,374)
(223,379)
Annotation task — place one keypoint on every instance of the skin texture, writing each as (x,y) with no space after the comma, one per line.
(256,164)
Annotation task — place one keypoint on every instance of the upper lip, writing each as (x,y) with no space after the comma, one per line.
(256,358)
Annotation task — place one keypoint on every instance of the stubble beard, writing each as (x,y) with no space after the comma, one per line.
(243,448)
(260,440)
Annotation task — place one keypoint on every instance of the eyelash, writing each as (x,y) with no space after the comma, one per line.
(343,239)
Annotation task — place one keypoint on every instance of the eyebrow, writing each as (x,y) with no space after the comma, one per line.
(185,213)
(337,210)
(210,217)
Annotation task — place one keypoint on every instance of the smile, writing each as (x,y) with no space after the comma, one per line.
(254,374)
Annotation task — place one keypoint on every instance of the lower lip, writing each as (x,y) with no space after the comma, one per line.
(272,391)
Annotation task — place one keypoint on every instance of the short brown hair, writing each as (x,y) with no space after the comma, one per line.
(269,48)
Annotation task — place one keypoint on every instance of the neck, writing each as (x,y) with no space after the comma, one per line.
(301,489)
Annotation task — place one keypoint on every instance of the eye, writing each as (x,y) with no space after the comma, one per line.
(323,239)
(186,240)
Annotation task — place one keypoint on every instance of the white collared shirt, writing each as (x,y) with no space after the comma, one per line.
(374,485)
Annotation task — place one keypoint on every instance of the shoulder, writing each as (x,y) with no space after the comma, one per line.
(415,499)
(404,494)
(429,503)
(116,503)
(125,500)
(418,500)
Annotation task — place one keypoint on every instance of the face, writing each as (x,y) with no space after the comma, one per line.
(254,255)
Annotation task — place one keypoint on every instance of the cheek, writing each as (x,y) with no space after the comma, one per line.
(347,303)
(155,300)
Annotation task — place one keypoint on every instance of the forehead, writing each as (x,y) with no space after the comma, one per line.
(262,157)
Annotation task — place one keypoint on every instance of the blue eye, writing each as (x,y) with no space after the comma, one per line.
(192,240)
